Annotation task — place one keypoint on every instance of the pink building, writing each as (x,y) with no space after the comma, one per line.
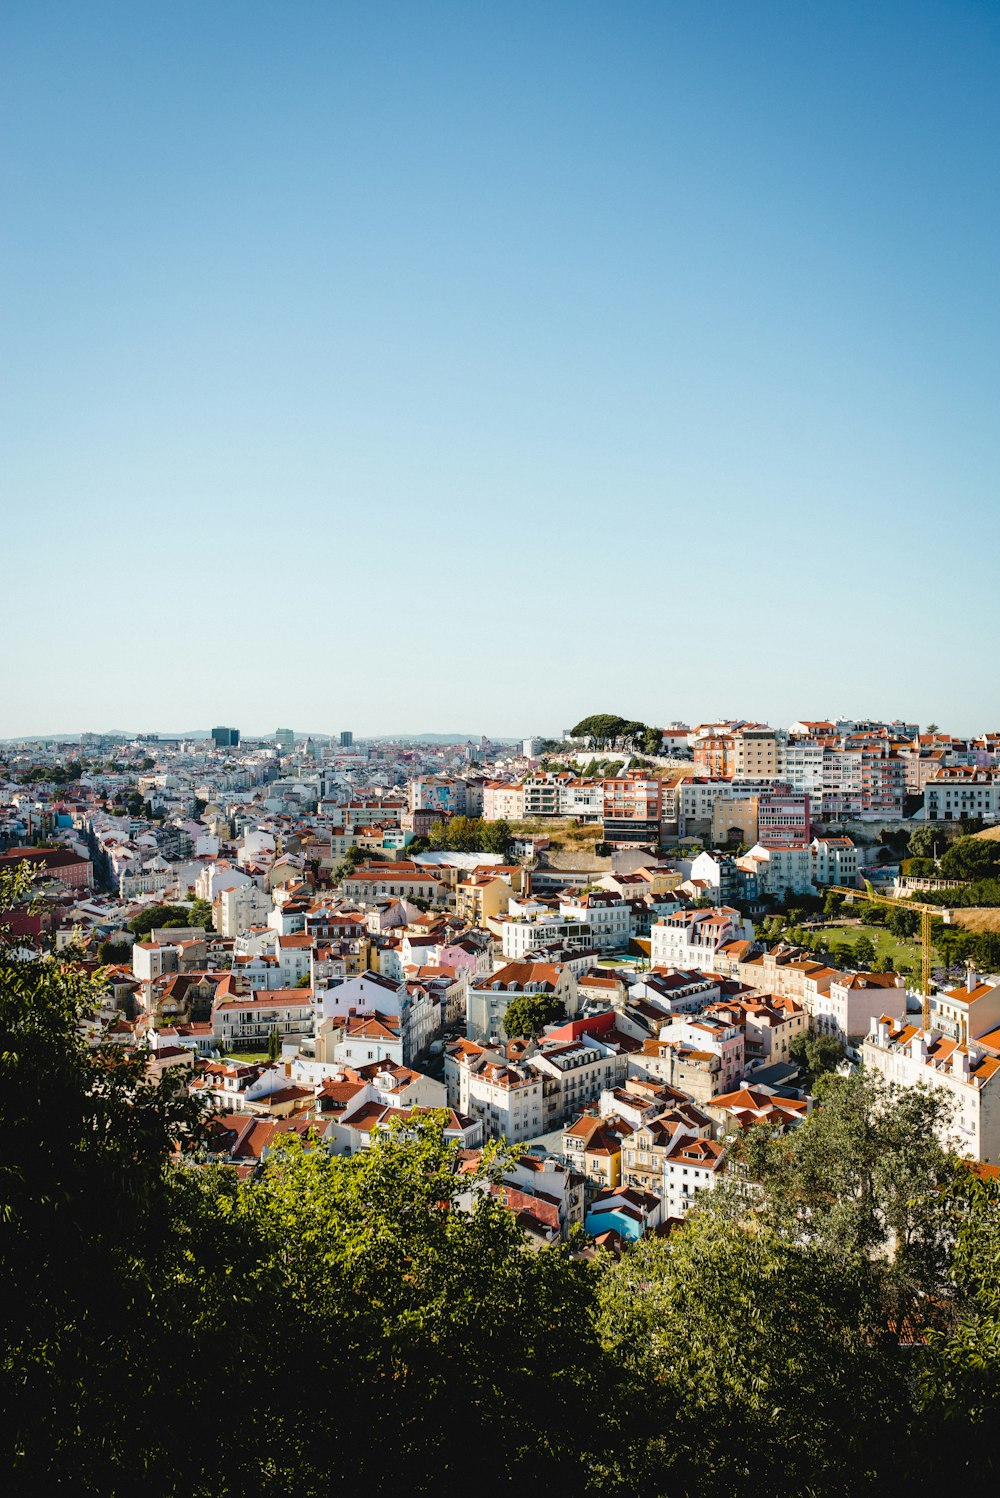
(783,818)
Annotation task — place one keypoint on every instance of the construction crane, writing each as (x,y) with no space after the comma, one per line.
(927,914)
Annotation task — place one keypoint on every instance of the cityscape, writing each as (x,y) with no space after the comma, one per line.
(499,749)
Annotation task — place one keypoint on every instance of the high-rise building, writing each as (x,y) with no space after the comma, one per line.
(225,738)
(285,737)
(346,739)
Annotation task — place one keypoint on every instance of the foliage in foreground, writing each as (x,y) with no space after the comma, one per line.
(169,1329)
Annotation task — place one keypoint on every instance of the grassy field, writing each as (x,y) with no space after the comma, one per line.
(245,1056)
(906,953)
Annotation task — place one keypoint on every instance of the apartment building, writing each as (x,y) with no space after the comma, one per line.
(403,880)
(606,913)
(966,1073)
(506,1098)
(783,817)
(503,801)
(439,793)
(853,1000)
(757,750)
(541,795)
(769,1025)
(632,809)
(692,938)
(962,791)
(674,1163)
(718,1034)
(236,910)
(582,799)
(482,897)
(780,867)
(574,1074)
(250,1020)
(834,861)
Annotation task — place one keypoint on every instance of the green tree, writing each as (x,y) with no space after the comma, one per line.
(200,914)
(817,1053)
(861,1178)
(347,865)
(970,858)
(412,1305)
(84,1180)
(497,837)
(157,917)
(960,1380)
(529,1013)
(273,1044)
(799,1392)
(864,951)
(113,953)
(903,923)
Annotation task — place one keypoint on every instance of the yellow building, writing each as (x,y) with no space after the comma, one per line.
(593,1146)
(734,820)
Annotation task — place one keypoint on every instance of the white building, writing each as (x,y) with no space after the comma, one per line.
(961,791)
(781,866)
(967,1074)
(507,1099)
(605,912)
(239,908)
(532,927)
(249,1020)
(834,861)
(853,1000)
(691,938)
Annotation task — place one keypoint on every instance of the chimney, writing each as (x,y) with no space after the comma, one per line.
(971,977)
(960,1063)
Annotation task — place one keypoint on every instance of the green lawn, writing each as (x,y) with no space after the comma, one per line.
(886,945)
(245,1056)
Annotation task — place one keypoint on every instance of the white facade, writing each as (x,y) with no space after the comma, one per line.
(913,1057)
(961,792)
(608,917)
(250,1020)
(851,1002)
(787,866)
(508,1102)
(238,909)
(834,860)
(691,938)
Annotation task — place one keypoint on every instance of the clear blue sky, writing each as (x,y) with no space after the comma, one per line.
(467,366)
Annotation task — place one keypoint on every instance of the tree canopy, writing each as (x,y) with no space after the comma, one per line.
(826,1322)
(159,917)
(609,731)
(529,1013)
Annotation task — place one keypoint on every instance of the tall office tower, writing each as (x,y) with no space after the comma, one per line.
(346,740)
(225,738)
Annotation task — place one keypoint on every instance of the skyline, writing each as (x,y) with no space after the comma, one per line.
(339,334)
(435,735)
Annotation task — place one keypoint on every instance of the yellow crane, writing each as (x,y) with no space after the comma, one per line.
(927,914)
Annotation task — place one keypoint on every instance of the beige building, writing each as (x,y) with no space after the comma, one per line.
(734,819)
(503,801)
(787,974)
(755,750)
